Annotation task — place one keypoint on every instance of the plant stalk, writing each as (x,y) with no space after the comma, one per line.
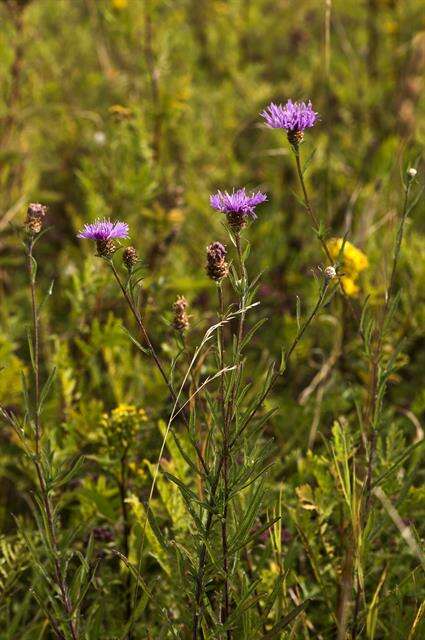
(46,501)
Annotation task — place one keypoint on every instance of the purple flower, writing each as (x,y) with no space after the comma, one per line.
(104,230)
(293,117)
(238,205)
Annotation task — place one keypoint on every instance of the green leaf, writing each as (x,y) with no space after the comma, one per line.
(286,620)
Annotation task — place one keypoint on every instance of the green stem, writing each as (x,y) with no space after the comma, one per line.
(155,356)
(122,485)
(225,454)
(371,417)
(317,227)
(215,482)
(45,497)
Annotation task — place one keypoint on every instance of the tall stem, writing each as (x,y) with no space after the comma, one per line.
(126,532)
(222,467)
(214,485)
(45,497)
(370,418)
(316,225)
(225,454)
(36,345)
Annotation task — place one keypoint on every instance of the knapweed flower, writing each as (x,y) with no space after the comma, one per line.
(35,216)
(352,261)
(238,206)
(294,118)
(217,267)
(104,232)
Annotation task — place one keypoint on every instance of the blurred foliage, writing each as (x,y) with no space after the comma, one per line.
(138,110)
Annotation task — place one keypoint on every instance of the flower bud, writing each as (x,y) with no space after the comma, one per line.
(181,319)
(35,216)
(129,257)
(217,267)
(330,274)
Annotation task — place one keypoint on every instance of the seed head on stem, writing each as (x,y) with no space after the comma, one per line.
(181,319)
(35,216)
(129,258)
(217,267)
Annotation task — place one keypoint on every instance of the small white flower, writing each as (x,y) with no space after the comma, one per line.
(100,138)
(412,173)
(330,273)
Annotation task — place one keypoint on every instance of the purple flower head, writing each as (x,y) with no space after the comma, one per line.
(238,204)
(294,116)
(104,229)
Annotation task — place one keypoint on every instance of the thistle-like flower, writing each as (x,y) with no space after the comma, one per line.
(238,206)
(217,267)
(35,216)
(104,232)
(181,319)
(294,117)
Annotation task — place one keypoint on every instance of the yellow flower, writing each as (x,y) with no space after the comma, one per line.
(122,425)
(176,216)
(350,287)
(353,262)
(119,4)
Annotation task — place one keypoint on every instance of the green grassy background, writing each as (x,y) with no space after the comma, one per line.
(138,110)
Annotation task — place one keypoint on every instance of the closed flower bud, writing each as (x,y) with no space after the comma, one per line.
(181,319)
(217,267)
(330,274)
(129,257)
(35,216)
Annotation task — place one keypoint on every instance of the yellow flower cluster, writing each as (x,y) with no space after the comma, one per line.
(353,262)
(122,424)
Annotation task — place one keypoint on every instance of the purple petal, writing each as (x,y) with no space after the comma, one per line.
(104,230)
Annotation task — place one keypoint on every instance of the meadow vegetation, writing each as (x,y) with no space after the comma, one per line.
(212,320)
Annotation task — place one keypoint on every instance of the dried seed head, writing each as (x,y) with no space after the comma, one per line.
(217,267)
(181,319)
(129,257)
(35,216)
(330,274)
